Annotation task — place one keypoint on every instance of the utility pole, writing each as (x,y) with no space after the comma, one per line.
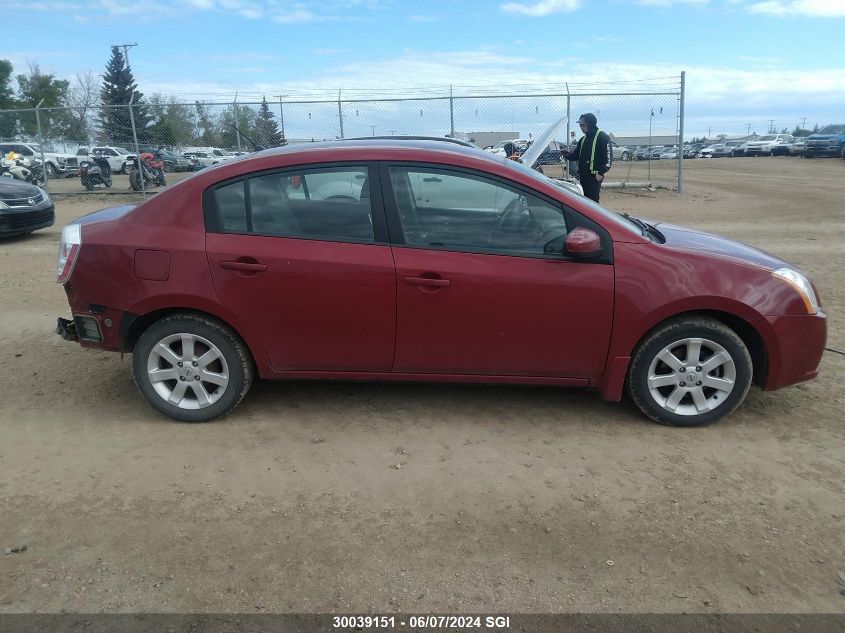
(748,132)
(710,129)
(125,48)
(372,129)
(771,126)
(803,123)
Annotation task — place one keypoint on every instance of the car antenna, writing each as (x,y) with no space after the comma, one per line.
(255,146)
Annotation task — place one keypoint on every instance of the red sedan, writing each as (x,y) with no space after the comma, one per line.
(426,261)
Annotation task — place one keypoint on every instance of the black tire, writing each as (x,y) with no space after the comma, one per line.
(625,156)
(86,182)
(108,181)
(238,363)
(658,341)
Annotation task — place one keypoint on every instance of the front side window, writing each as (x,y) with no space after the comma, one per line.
(468,212)
(321,204)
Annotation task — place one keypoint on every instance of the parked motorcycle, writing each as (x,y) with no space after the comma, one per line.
(150,168)
(95,172)
(30,171)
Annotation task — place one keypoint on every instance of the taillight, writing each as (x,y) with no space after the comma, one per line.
(68,251)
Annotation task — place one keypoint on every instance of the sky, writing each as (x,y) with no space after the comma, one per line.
(747,62)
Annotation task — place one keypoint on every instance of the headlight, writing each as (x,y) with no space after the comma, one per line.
(802,285)
(44,193)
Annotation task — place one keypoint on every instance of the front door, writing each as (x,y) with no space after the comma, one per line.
(483,286)
(301,255)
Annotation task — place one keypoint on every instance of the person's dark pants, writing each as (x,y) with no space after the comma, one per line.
(591,186)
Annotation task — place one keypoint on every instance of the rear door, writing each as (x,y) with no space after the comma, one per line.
(483,285)
(302,256)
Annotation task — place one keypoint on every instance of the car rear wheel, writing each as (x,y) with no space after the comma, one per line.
(690,372)
(192,368)
(625,156)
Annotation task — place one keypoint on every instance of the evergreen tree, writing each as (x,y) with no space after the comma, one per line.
(118,89)
(266,131)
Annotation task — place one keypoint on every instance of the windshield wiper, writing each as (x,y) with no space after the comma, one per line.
(639,223)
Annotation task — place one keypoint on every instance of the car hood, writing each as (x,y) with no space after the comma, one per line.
(11,189)
(823,137)
(691,239)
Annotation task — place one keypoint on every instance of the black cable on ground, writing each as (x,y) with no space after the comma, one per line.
(835,351)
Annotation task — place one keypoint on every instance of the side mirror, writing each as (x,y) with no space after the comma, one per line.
(582,242)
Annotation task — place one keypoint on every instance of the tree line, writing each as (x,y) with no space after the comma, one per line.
(86,110)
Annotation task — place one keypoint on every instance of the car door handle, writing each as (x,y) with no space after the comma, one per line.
(250,267)
(427,281)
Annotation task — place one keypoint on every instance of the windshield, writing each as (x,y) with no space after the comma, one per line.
(767,138)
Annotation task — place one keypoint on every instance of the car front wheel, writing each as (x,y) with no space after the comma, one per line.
(192,368)
(690,372)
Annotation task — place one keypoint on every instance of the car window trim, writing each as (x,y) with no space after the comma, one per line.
(397,235)
(380,230)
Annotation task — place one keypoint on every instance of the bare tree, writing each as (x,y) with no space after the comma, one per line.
(83,97)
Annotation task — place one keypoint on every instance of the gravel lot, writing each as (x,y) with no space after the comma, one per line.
(379,497)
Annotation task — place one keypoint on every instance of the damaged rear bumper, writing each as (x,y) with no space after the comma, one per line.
(67,330)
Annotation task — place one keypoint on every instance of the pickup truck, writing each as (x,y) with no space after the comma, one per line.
(825,145)
(56,163)
(116,156)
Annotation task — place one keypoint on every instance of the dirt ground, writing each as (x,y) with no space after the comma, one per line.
(340,497)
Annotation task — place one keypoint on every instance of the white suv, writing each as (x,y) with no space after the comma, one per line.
(769,145)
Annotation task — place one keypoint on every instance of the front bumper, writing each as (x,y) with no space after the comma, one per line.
(795,349)
(25,220)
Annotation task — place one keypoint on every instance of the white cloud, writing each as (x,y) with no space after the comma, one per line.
(669,3)
(542,8)
(792,8)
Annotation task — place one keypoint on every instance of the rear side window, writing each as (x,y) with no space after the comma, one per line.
(327,204)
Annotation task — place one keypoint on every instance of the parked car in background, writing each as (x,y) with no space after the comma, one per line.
(432,264)
(717,151)
(520,144)
(769,145)
(208,155)
(56,164)
(174,162)
(797,146)
(669,153)
(642,152)
(24,208)
(620,152)
(691,151)
(740,150)
(824,145)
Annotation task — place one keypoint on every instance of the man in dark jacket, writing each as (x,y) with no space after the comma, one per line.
(594,155)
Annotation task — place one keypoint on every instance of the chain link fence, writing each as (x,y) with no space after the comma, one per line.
(642,119)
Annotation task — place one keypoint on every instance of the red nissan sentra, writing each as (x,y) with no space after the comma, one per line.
(426,261)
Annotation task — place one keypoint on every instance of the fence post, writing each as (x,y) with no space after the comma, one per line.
(340,113)
(237,122)
(568,113)
(282,119)
(681,136)
(451,113)
(44,169)
(137,151)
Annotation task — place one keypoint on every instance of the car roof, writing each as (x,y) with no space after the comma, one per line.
(385,143)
